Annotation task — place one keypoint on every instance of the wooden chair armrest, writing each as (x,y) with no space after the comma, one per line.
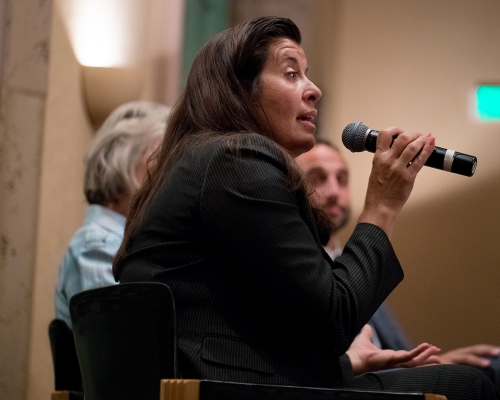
(190,389)
(180,389)
(66,395)
(60,395)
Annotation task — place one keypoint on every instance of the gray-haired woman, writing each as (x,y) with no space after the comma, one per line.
(115,166)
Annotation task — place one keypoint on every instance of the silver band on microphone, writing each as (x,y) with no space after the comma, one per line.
(448,160)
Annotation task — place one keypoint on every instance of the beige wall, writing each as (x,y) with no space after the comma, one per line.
(23,86)
(67,132)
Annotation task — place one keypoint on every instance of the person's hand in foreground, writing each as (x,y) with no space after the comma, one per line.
(366,357)
(478,355)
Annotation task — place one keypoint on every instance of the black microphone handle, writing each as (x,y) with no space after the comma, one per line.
(447,160)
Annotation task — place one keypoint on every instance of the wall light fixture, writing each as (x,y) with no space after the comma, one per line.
(108,38)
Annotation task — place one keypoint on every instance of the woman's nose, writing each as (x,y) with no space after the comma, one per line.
(312,92)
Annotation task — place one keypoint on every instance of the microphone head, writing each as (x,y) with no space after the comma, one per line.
(353,136)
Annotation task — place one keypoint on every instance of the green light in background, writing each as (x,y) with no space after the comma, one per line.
(488,103)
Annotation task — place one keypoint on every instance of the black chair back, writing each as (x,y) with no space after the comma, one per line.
(125,340)
(66,368)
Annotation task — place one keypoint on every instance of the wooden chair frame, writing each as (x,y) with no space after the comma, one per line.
(192,389)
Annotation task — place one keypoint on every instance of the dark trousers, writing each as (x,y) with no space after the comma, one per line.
(453,381)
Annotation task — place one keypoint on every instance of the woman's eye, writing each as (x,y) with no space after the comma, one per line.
(292,75)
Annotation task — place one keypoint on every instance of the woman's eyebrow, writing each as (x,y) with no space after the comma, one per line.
(293,60)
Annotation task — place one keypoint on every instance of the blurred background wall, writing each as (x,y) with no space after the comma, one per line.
(386,62)
(416,65)
(24,58)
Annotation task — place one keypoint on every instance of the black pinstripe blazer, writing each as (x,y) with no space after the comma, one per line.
(258,299)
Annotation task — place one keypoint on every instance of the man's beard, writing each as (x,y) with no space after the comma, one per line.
(339,223)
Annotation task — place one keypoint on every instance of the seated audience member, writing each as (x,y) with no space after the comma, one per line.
(225,220)
(327,170)
(115,166)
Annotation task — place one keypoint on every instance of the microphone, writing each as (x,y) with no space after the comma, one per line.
(358,137)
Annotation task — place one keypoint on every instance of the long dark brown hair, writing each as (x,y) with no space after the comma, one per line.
(220,98)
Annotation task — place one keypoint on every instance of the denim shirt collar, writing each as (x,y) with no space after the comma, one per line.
(107,218)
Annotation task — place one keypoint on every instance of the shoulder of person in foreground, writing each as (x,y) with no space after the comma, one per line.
(243,144)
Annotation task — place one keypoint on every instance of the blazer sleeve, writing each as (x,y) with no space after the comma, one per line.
(258,226)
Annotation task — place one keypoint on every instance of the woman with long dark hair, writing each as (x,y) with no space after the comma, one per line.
(225,220)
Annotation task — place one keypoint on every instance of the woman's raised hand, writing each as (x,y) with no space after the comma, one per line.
(395,167)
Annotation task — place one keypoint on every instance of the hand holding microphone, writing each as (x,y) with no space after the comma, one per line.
(395,167)
(358,137)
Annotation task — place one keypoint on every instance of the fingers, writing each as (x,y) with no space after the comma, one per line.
(477,355)
(421,355)
(421,157)
(431,360)
(412,149)
(464,358)
(394,169)
(428,356)
(472,359)
(484,350)
(367,331)
(386,137)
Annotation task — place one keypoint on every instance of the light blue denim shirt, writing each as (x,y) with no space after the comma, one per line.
(88,261)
